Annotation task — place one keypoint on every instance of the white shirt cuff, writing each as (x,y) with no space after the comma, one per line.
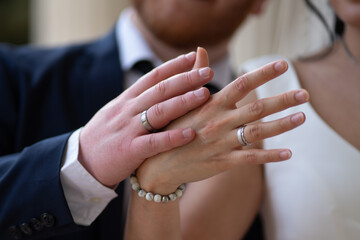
(86,197)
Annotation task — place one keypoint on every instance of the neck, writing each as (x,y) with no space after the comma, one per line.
(166,52)
(352,40)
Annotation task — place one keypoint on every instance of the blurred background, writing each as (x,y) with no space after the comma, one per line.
(14,21)
(286,27)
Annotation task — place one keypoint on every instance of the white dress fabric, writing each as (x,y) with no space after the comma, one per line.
(316,194)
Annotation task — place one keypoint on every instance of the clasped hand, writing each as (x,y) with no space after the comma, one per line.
(114,142)
(216,147)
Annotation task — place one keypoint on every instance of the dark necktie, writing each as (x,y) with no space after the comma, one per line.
(143,66)
(212,88)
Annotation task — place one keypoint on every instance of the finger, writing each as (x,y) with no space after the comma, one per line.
(257,156)
(163,113)
(174,86)
(240,87)
(240,157)
(267,106)
(262,130)
(172,67)
(152,144)
(202,58)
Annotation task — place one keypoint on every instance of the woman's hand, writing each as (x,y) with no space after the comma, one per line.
(114,142)
(216,147)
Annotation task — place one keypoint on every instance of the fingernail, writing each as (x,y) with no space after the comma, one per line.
(297,118)
(191,56)
(187,133)
(301,96)
(284,155)
(204,72)
(200,93)
(280,66)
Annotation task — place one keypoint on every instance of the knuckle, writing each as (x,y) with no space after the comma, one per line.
(256,108)
(181,58)
(250,157)
(268,71)
(169,139)
(161,87)
(151,142)
(284,124)
(188,77)
(204,137)
(183,100)
(286,98)
(255,132)
(263,72)
(206,133)
(155,73)
(158,110)
(242,82)
(270,157)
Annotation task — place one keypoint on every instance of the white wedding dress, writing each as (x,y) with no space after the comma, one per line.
(316,194)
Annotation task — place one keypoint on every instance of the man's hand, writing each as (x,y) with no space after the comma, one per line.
(114,142)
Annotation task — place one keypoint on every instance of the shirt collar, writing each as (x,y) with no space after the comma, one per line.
(132,45)
(133,48)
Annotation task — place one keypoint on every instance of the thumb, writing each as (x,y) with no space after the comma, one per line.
(202,58)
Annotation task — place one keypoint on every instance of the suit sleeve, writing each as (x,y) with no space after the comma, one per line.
(32,199)
(45,94)
(32,142)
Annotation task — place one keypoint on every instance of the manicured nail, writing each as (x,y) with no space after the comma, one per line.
(284,155)
(301,96)
(280,66)
(200,93)
(191,56)
(187,133)
(297,118)
(204,72)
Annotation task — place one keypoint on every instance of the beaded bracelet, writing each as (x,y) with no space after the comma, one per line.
(158,198)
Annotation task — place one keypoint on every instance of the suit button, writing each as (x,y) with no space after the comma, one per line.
(25,228)
(47,219)
(14,232)
(36,224)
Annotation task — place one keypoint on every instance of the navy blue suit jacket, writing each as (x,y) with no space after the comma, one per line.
(45,94)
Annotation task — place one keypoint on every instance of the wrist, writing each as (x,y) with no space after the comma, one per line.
(152,177)
(156,183)
(92,166)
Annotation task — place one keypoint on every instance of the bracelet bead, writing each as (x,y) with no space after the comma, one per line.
(136,186)
(182,187)
(172,196)
(178,193)
(158,198)
(141,193)
(149,196)
(164,199)
(133,179)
